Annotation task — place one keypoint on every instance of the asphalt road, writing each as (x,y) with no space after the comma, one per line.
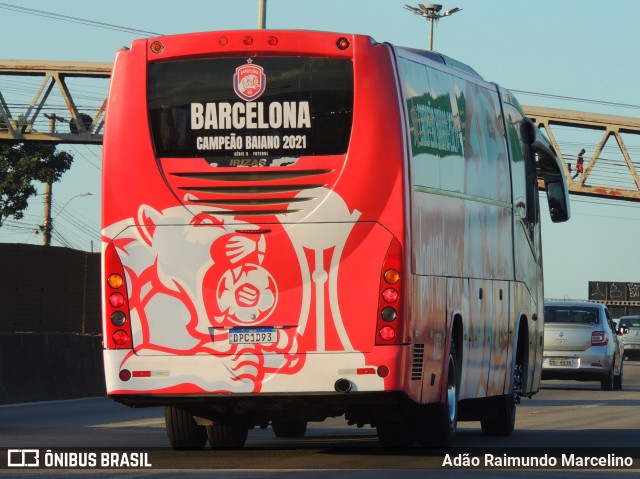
(563,418)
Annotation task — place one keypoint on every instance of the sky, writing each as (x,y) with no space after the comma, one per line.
(544,50)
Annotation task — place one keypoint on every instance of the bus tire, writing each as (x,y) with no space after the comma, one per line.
(500,412)
(438,423)
(500,418)
(182,430)
(227,436)
(289,427)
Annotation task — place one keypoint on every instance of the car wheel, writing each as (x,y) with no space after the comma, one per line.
(182,430)
(606,383)
(617,380)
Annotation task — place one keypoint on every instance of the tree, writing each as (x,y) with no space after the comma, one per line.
(20,165)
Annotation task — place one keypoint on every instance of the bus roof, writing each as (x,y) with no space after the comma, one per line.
(445,60)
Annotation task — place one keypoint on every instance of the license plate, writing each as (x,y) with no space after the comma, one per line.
(253,336)
(562,362)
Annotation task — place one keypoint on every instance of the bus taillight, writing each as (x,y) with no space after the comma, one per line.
(116,300)
(389,325)
(390,295)
(117,326)
(387,333)
(120,337)
(115,281)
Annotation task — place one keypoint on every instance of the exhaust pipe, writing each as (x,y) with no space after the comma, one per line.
(343,385)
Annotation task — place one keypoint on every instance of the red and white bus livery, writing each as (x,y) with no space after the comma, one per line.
(301,225)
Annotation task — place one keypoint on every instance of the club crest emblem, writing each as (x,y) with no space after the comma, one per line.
(249,81)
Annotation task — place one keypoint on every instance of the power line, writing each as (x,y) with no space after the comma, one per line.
(576,99)
(67,18)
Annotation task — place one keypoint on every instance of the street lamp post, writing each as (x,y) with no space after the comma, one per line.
(431,11)
(262,14)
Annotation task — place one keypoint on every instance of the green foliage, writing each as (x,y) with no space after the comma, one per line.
(20,165)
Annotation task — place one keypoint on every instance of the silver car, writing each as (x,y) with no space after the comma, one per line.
(630,327)
(581,343)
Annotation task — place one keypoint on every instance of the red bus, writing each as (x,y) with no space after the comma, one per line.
(300,225)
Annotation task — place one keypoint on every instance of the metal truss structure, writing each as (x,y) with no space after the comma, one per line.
(54,101)
(55,90)
(613,175)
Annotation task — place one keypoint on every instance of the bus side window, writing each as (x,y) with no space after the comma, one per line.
(524,176)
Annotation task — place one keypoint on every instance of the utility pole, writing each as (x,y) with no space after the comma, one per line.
(48,192)
(262,14)
(46,230)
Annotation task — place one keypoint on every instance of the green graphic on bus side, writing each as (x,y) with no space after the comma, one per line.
(434,128)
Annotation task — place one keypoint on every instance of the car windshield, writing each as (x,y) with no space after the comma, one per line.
(630,322)
(570,314)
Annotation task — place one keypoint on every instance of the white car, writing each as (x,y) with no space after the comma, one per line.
(630,328)
(581,343)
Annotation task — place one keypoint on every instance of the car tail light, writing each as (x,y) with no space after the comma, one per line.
(599,338)
(390,323)
(117,327)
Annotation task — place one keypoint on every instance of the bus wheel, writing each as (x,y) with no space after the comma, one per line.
(396,433)
(182,430)
(437,423)
(227,436)
(289,427)
(500,412)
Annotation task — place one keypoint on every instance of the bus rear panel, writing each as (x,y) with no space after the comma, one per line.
(253,211)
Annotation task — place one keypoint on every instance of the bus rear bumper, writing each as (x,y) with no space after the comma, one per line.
(321,373)
(312,387)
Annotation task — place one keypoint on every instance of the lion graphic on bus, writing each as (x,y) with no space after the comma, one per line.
(223,278)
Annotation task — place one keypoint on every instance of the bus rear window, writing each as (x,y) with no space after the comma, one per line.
(264,109)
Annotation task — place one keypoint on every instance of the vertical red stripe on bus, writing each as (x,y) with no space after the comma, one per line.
(113,332)
(390,315)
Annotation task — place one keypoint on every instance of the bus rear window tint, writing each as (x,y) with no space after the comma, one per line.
(269,108)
